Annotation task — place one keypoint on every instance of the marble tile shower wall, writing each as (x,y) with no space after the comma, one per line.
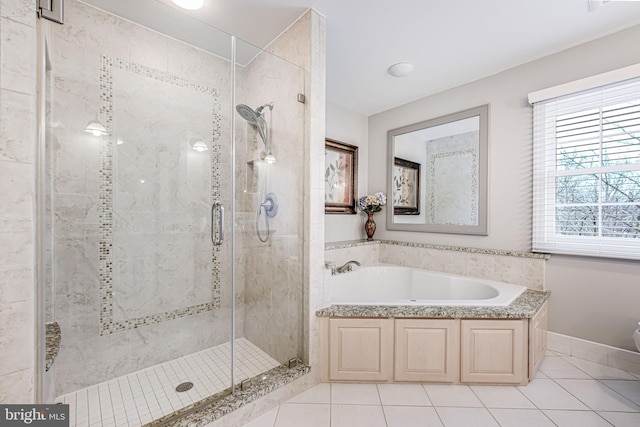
(17,195)
(272,271)
(148,322)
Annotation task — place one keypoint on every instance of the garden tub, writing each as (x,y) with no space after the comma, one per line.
(396,285)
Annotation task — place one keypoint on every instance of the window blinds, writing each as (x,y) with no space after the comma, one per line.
(587,172)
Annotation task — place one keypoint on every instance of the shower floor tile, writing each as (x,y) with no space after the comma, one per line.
(140,397)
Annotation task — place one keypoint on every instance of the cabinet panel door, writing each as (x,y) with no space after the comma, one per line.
(494,351)
(537,339)
(360,349)
(427,350)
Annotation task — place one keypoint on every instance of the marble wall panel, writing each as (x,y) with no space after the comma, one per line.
(16,132)
(19,62)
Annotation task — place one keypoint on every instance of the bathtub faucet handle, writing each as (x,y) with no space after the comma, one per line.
(348,266)
(330,265)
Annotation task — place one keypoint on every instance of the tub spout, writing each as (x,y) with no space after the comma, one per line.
(348,266)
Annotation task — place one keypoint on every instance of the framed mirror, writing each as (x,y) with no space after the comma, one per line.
(437,174)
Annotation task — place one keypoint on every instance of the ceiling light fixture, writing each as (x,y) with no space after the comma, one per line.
(401,69)
(189,4)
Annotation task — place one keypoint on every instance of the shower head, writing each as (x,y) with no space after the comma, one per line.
(256,119)
(248,114)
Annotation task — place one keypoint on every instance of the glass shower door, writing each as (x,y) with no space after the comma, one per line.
(138,149)
(175,245)
(269,159)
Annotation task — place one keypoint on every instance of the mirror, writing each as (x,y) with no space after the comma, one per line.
(437,174)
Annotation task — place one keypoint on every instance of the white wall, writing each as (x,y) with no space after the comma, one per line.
(351,128)
(597,300)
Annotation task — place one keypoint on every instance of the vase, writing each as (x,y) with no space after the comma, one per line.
(370,226)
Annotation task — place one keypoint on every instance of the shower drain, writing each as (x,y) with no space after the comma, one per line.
(184,387)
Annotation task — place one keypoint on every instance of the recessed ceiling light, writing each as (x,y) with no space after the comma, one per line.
(401,69)
(189,4)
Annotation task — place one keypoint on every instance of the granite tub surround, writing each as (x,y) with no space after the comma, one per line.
(524,307)
(518,268)
(53,336)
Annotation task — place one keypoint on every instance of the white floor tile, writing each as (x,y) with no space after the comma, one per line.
(355,394)
(357,415)
(576,418)
(521,418)
(267,419)
(598,371)
(546,394)
(320,393)
(558,367)
(307,414)
(466,417)
(403,394)
(411,416)
(540,374)
(622,419)
(629,389)
(598,396)
(452,395)
(502,397)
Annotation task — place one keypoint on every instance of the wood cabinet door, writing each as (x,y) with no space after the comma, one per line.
(427,350)
(494,351)
(538,326)
(360,349)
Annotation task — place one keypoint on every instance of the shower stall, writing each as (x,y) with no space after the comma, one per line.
(170,212)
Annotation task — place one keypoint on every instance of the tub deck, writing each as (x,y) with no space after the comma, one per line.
(524,307)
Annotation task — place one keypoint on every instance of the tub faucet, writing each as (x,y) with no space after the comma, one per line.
(348,266)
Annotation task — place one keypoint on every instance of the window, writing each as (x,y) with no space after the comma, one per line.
(586,172)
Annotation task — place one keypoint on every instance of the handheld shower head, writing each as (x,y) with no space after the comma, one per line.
(247,113)
(256,119)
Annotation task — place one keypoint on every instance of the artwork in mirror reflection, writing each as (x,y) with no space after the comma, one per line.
(406,187)
(438,174)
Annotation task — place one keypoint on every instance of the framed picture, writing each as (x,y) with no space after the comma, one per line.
(340,177)
(406,187)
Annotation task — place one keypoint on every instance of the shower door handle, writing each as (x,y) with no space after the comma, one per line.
(217,223)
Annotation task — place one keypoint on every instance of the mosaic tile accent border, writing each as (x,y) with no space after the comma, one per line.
(354,243)
(473,215)
(105,206)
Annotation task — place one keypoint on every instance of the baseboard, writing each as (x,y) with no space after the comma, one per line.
(594,352)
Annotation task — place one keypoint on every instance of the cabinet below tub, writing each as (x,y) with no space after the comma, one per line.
(469,351)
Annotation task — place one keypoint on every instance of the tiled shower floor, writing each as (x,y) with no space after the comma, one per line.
(140,397)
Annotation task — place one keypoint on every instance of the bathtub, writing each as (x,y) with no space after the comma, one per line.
(395,285)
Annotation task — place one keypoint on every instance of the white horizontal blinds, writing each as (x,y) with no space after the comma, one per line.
(587,172)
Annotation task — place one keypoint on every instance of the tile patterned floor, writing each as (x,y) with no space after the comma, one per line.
(567,392)
(140,397)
